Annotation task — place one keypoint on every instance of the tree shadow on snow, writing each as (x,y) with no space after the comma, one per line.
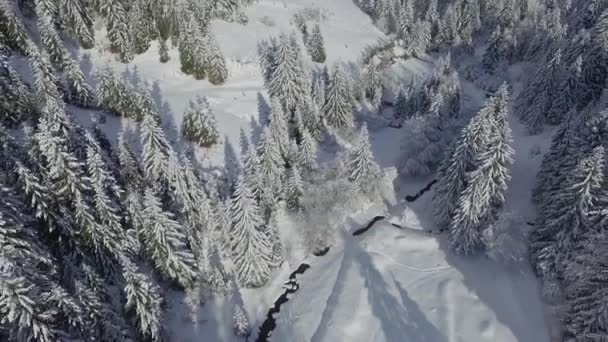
(167,117)
(519,309)
(401,320)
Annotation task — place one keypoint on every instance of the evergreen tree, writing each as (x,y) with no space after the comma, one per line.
(155,149)
(271,164)
(361,167)
(565,220)
(217,73)
(587,298)
(294,188)
(144,299)
(533,102)
(277,246)
(80,92)
(143,27)
(12,31)
(421,38)
(128,165)
(406,21)
(250,173)
(491,55)
(118,28)
(240,322)
(338,101)
(251,249)
(316,46)
(373,85)
(569,95)
(453,173)
(288,80)
(486,184)
(199,123)
(278,126)
(52,43)
(17,102)
(307,154)
(551,169)
(164,241)
(427,141)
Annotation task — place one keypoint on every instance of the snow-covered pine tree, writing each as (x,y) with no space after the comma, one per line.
(294,188)
(271,165)
(268,51)
(199,123)
(484,194)
(77,21)
(190,46)
(129,167)
(164,241)
(316,46)
(426,144)
(278,254)
(80,92)
(361,167)
(307,154)
(338,108)
(251,249)
(533,102)
(421,38)
(143,299)
(143,29)
(491,55)
(406,21)
(28,276)
(570,94)
(13,32)
(217,72)
(250,172)
(155,149)
(452,179)
(240,321)
(279,130)
(549,174)
(118,28)
(49,37)
(17,102)
(372,80)
(587,297)
(288,81)
(564,221)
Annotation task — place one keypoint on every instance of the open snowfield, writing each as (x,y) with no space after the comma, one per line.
(387,285)
(393,285)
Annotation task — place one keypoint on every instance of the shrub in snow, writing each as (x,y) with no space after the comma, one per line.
(506,239)
(199,123)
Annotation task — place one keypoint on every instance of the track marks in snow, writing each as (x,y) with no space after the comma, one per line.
(411,268)
(447,296)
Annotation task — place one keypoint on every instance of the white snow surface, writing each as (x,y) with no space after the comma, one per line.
(401,285)
(386,285)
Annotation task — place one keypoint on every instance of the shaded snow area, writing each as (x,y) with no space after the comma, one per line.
(399,285)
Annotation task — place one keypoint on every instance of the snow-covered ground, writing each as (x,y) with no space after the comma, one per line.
(387,285)
(400,285)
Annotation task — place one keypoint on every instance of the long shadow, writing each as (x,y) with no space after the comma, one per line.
(361,231)
(332,300)
(167,116)
(399,321)
(521,311)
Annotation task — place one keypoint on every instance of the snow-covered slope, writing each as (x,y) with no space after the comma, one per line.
(387,285)
(346,31)
(400,285)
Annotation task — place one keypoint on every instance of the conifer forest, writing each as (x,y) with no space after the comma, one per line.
(304,170)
